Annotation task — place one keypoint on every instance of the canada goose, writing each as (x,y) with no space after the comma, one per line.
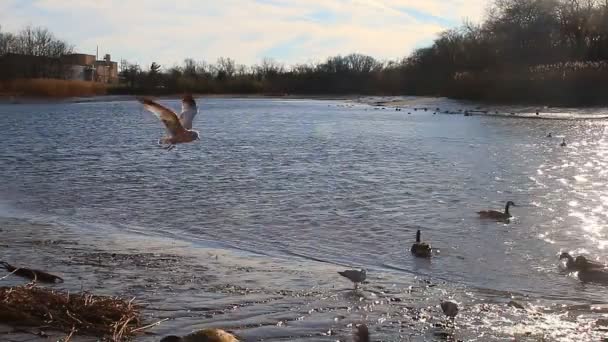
(361,333)
(497,215)
(549,135)
(570,264)
(593,275)
(580,263)
(450,309)
(34,275)
(356,276)
(205,335)
(563,144)
(584,263)
(421,249)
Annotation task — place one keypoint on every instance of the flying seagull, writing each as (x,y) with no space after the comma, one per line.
(356,276)
(179,129)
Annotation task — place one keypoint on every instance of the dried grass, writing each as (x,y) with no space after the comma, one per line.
(80,313)
(44,87)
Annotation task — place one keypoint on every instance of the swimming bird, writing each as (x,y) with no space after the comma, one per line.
(205,335)
(35,275)
(179,129)
(356,276)
(361,333)
(549,135)
(563,144)
(497,215)
(580,263)
(450,309)
(421,249)
(593,275)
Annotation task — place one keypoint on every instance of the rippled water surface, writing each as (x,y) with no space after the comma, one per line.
(327,185)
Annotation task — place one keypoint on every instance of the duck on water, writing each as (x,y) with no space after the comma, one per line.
(421,249)
(594,275)
(587,271)
(205,335)
(497,215)
(580,263)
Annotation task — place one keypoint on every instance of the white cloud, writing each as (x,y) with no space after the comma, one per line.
(244,30)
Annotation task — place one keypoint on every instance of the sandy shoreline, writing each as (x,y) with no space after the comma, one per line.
(194,286)
(259,297)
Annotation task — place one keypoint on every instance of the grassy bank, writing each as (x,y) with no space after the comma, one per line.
(53,88)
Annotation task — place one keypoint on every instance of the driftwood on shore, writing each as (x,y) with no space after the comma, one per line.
(79,313)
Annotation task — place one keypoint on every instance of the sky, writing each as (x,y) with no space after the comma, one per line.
(289,31)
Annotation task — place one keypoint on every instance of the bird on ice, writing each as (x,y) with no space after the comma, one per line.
(179,129)
(356,276)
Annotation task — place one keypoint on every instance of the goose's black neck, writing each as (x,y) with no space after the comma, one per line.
(507,208)
(418,236)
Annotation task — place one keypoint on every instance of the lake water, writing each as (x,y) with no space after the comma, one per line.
(257,217)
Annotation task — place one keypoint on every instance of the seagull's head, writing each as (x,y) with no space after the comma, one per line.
(188,101)
(194,135)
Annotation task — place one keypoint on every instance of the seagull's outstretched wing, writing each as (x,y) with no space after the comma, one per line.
(167,116)
(189,111)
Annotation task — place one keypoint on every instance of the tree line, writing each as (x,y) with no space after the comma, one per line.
(33,41)
(542,51)
(551,51)
(354,73)
(33,52)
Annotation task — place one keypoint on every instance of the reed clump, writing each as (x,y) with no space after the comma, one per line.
(55,88)
(80,313)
